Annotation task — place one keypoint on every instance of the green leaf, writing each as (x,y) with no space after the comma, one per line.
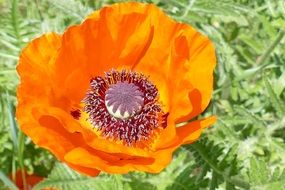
(258,171)
(224,169)
(185,180)
(13,124)
(73,8)
(261,177)
(277,103)
(255,45)
(64,178)
(258,122)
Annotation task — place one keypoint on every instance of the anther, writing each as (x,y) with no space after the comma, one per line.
(124,106)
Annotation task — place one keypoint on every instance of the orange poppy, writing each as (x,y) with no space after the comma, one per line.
(107,95)
(31,180)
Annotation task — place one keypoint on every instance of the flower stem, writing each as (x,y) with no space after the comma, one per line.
(24,179)
(21,158)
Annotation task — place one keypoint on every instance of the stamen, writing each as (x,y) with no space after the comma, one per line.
(75,114)
(124,106)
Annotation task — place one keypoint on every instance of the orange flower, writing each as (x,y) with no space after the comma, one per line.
(107,95)
(31,180)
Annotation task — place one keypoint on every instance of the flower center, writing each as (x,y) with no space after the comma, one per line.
(123,105)
(123,100)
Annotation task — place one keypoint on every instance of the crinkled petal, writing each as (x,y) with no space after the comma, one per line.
(36,67)
(154,164)
(111,41)
(47,132)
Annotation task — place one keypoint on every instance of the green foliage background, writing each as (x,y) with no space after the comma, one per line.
(245,149)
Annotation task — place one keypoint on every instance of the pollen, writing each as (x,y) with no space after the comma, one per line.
(123,105)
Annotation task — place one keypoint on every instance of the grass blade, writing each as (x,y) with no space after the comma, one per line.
(7,181)
(275,100)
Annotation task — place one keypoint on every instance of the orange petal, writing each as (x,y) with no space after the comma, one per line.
(48,128)
(82,157)
(85,158)
(168,135)
(37,59)
(123,8)
(46,132)
(192,131)
(87,130)
(83,170)
(180,62)
(162,158)
(49,133)
(113,40)
(196,85)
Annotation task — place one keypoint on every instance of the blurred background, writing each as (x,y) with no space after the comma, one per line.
(245,149)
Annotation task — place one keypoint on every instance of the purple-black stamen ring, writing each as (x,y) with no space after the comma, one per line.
(124,106)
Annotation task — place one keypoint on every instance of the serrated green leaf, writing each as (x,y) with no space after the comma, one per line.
(261,176)
(258,122)
(277,103)
(64,178)
(208,153)
(258,171)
